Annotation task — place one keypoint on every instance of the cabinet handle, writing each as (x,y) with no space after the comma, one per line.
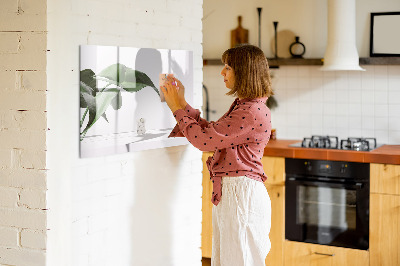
(324,254)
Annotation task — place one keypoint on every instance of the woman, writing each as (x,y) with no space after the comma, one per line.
(242,209)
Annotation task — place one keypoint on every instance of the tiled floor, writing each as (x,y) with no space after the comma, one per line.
(206,261)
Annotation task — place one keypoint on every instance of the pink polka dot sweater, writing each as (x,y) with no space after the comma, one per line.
(238,139)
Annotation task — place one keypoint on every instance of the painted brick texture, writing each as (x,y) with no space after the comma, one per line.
(23,132)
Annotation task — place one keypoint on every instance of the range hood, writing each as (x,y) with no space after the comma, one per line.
(341,51)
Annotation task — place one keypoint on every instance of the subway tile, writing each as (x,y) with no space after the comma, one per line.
(355,96)
(367,96)
(394,123)
(304,72)
(342,109)
(342,133)
(342,122)
(380,97)
(381,110)
(394,97)
(380,71)
(303,82)
(394,110)
(342,96)
(316,72)
(355,109)
(367,133)
(355,122)
(291,71)
(382,136)
(329,94)
(367,83)
(316,82)
(368,122)
(394,71)
(329,122)
(329,109)
(317,107)
(381,123)
(394,83)
(354,83)
(367,110)
(292,82)
(317,120)
(380,84)
(355,132)
(394,137)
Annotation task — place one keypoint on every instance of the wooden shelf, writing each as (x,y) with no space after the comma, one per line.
(273,63)
(380,61)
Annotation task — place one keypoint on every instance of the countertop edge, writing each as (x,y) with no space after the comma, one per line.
(386,154)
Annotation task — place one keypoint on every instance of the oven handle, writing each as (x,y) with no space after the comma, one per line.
(357,185)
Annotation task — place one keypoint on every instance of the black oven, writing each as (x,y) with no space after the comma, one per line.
(327,202)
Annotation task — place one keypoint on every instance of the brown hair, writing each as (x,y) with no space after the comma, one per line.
(250,66)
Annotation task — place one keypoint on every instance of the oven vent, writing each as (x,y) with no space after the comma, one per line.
(341,51)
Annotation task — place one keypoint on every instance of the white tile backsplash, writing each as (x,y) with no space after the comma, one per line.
(345,103)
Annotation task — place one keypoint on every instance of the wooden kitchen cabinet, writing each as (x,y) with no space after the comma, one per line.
(277,233)
(385,215)
(385,178)
(305,254)
(206,225)
(274,168)
(384,236)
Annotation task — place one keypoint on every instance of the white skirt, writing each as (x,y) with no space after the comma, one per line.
(241,223)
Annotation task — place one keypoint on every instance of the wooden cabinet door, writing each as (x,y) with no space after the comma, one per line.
(304,254)
(384,237)
(277,233)
(206,226)
(385,178)
(274,168)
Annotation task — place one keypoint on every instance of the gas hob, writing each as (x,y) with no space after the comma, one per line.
(332,142)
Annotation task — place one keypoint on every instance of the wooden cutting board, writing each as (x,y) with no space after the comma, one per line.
(239,35)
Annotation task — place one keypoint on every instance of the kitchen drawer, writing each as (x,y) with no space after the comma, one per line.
(305,254)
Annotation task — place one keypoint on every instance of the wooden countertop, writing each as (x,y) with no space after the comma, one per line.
(389,154)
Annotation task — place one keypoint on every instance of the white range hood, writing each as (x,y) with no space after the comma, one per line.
(341,51)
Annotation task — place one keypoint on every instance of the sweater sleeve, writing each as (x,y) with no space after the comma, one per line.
(193,113)
(229,131)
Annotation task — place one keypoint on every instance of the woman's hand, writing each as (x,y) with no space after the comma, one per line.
(171,94)
(181,92)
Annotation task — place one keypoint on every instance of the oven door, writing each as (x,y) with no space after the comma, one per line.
(327,213)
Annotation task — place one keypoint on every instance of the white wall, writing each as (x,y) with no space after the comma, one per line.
(306,19)
(23,133)
(311,102)
(140,208)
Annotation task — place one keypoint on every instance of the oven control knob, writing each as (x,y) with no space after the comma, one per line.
(343,168)
(308,166)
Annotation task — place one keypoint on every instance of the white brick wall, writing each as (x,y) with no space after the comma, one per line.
(22,132)
(140,208)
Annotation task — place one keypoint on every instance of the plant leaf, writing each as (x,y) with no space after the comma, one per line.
(116,103)
(97,107)
(105,117)
(127,78)
(87,84)
(88,80)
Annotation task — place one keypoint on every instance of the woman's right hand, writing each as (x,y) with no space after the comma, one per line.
(181,92)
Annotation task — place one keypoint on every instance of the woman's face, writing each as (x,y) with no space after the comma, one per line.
(229,76)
